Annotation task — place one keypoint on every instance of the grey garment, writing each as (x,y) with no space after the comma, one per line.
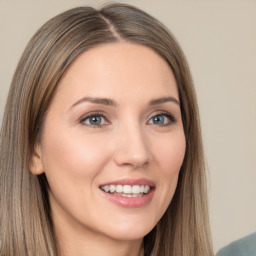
(243,247)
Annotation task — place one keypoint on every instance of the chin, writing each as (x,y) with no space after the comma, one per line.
(130,232)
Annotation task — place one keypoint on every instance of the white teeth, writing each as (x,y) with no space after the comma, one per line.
(119,188)
(127,190)
(146,189)
(136,189)
(112,188)
(107,188)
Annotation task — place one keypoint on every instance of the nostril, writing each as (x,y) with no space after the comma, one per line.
(131,160)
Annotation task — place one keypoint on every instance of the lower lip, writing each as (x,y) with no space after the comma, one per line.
(130,202)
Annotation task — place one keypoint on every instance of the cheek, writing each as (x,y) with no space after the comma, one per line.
(171,154)
(72,163)
(71,157)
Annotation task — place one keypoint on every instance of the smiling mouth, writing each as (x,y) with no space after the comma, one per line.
(126,190)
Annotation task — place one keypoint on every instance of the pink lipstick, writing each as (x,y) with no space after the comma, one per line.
(129,192)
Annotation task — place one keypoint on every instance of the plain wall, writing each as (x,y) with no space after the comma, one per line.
(219,40)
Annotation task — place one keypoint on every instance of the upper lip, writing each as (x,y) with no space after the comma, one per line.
(131,182)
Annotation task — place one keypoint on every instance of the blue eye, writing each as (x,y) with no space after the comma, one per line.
(162,119)
(94,120)
(158,119)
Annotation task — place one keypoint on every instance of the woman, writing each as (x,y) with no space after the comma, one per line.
(101,149)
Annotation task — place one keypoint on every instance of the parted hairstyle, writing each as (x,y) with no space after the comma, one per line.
(25,215)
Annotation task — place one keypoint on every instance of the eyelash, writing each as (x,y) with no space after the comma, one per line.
(94,114)
(171,119)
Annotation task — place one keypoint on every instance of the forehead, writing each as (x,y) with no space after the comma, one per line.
(118,69)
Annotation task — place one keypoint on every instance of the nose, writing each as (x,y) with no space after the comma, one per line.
(132,147)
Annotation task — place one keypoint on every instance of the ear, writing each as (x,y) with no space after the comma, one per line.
(36,163)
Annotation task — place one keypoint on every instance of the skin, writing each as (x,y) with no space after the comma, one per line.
(77,157)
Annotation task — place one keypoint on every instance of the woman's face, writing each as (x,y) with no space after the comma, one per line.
(112,143)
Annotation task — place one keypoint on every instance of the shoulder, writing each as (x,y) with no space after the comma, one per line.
(245,246)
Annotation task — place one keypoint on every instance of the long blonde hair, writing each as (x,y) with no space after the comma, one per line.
(25,216)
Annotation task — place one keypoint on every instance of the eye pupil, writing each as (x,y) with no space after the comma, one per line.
(95,120)
(158,120)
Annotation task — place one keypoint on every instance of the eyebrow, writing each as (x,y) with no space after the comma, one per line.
(110,102)
(102,101)
(163,100)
